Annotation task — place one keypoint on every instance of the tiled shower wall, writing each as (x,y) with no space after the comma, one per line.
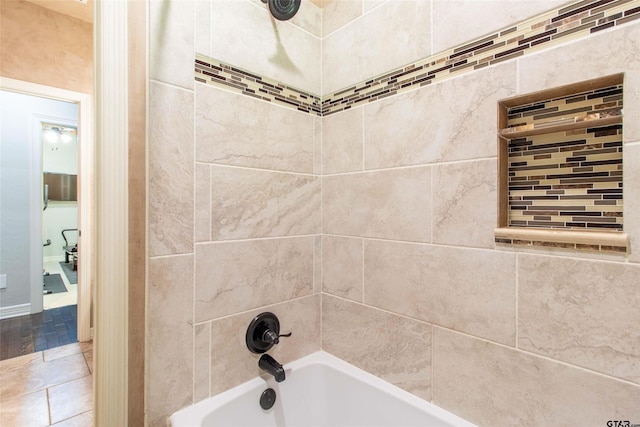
(379,219)
(414,288)
(234,222)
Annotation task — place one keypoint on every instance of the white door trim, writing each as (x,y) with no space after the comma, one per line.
(86,164)
(111,343)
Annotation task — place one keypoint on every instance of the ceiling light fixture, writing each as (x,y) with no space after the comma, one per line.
(55,133)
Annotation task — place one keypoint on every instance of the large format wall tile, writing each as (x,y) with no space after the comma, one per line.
(171,170)
(202,203)
(632,198)
(465,203)
(557,67)
(352,53)
(337,13)
(468,290)
(342,267)
(301,317)
(170,334)
(202,361)
(582,312)
(246,36)
(492,385)
(237,276)
(254,203)
(451,120)
(392,204)
(233,129)
(457,22)
(171,41)
(392,347)
(342,144)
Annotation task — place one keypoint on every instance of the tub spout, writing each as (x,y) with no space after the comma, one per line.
(271,366)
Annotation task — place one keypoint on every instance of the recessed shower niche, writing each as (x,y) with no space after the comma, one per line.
(561,167)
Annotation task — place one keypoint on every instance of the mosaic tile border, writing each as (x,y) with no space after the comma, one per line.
(557,245)
(574,21)
(210,71)
(577,20)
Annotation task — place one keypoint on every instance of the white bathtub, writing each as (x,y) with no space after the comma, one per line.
(320,390)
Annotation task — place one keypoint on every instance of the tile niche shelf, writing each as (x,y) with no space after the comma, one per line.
(560,168)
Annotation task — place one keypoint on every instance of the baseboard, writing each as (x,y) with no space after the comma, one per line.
(15,311)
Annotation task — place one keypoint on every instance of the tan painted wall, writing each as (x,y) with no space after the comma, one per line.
(41,46)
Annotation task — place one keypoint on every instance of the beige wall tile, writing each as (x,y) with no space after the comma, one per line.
(202,203)
(392,347)
(171,170)
(342,142)
(337,13)
(370,4)
(70,399)
(395,23)
(202,38)
(171,42)
(581,312)
(309,18)
(342,267)
(317,145)
(202,362)
(341,52)
(301,317)
(346,53)
(245,35)
(451,120)
(458,22)
(393,204)
(465,203)
(317,264)
(238,276)
(234,129)
(590,58)
(468,290)
(169,337)
(631,181)
(254,203)
(492,385)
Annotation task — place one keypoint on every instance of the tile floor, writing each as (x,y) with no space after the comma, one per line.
(64,298)
(51,387)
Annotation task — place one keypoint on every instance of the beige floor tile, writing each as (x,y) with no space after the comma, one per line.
(18,362)
(30,410)
(82,420)
(38,375)
(70,399)
(63,351)
(88,356)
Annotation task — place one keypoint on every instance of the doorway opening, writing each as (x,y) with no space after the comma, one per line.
(41,247)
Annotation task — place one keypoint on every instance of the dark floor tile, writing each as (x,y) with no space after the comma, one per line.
(38,332)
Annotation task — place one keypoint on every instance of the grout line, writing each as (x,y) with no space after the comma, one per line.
(48,405)
(363,270)
(253,168)
(517,315)
(209,357)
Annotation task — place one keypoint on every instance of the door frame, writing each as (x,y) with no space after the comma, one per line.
(86,162)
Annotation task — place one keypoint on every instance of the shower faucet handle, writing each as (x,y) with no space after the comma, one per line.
(264,332)
(270,336)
